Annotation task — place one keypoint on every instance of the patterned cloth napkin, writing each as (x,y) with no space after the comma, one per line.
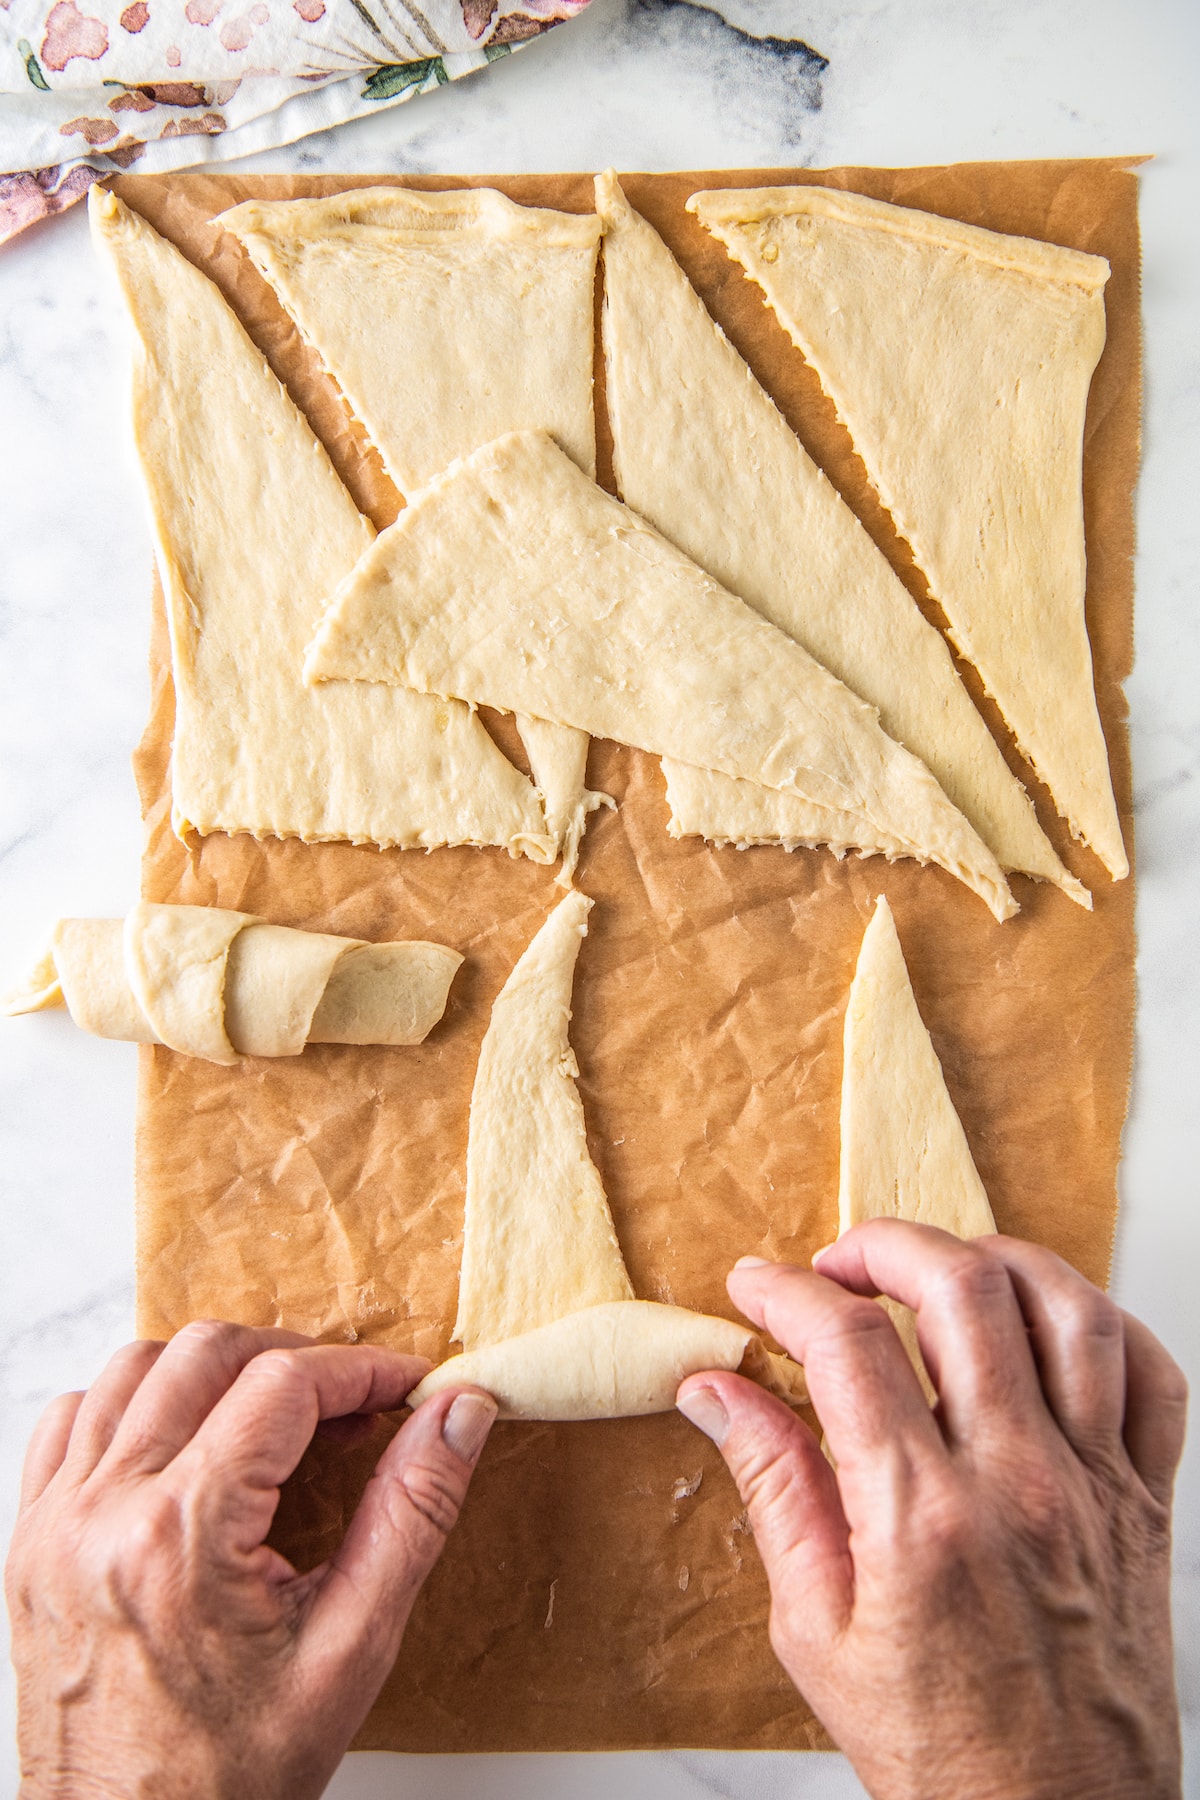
(88,87)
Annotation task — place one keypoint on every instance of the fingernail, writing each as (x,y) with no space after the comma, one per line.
(823,1251)
(752,1262)
(466,1425)
(702,1407)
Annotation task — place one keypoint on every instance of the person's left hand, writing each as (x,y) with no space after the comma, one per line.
(161,1647)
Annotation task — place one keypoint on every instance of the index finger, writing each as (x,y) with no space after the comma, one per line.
(969,1323)
(256,1434)
(861,1382)
(199,1364)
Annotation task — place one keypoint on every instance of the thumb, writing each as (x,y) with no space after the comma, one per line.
(410,1506)
(792,1500)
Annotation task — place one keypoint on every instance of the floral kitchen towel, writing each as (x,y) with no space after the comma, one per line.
(88,87)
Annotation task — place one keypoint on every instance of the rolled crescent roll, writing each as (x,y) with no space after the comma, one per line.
(221,984)
(612,1361)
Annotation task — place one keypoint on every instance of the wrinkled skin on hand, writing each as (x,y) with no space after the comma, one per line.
(161,1647)
(976,1602)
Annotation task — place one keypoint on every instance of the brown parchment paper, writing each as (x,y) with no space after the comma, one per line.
(602,1590)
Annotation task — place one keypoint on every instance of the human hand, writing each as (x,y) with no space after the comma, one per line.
(976,1604)
(161,1647)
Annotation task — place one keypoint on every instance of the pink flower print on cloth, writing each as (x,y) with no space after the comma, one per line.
(97,85)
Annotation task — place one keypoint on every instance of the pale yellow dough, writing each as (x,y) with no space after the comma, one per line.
(702,453)
(219,984)
(253,530)
(960,361)
(904,1152)
(611,1361)
(513,581)
(538,1238)
(558,757)
(546,1312)
(447,319)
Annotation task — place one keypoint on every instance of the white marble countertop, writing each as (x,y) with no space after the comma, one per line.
(640,84)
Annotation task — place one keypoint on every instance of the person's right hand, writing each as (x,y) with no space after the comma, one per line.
(976,1603)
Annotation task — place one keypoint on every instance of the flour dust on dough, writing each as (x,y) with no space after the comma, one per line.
(904,1154)
(701,451)
(960,360)
(253,530)
(546,1314)
(515,582)
(447,319)
(219,984)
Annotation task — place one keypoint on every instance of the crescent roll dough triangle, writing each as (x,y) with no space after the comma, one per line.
(702,453)
(960,361)
(447,319)
(546,1311)
(904,1152)
(513,581)
(253,529)
(538,1238)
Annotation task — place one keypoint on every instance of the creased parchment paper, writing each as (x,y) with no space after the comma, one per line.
(602,1590)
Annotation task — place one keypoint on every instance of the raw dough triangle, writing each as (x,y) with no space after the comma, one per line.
(904,1152)
(703,454)
(513,581)
(447,319)
(538,1238)
(253,529)
(960,361)
(546,1311)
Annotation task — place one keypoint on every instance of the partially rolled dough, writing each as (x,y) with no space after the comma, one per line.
(515,582)
(219,984)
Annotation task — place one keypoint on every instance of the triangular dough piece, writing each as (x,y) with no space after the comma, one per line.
(253,529)
(703,454)
(546,1311)
(513,581)
(538,1238)
(904,1152)
(447,319)
(960,361)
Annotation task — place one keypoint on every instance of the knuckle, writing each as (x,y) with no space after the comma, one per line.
(764,1476)
(1093,1316)
(434,1492)
(151,1533)
(950,1523)
(945,1520)
(288,1377)
(1170,1383)
(282,1365)
(1044,1504)
(972,1278)
(211,1337)
(859,1321)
